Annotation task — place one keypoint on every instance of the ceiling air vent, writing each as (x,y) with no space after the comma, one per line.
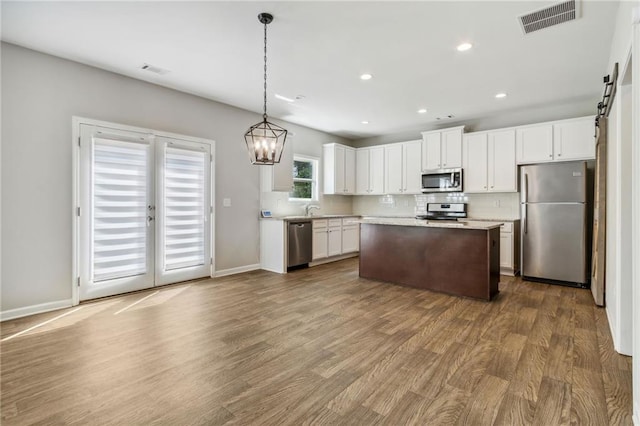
(549,16)
(154,69)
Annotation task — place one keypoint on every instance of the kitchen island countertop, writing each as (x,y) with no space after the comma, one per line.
(481,225)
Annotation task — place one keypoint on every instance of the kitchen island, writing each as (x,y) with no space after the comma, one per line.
(458,258)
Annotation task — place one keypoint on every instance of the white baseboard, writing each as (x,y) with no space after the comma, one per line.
(614,337)
(35,309)
(237,270)
(636,415)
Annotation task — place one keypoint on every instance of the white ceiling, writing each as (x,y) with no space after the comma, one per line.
(319,49)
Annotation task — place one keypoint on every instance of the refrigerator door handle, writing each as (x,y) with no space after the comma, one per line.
(526,188)
(524,218)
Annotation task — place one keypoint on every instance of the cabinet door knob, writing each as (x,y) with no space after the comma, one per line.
(492,186)
(550,155)
(559,155)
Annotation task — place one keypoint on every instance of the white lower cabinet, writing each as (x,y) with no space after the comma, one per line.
(506,250)
(273,245)
(320,239)
(334,242)
(510,248)
(333,237)
(350,237)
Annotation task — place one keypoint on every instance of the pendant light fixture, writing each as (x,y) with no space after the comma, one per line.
(265,140)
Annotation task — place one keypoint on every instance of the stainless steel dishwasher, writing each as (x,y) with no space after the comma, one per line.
(300,243)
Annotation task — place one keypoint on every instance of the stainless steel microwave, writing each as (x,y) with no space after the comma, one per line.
(442,180)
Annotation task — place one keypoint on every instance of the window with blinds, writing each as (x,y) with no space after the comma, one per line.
(184,207)
(119,208)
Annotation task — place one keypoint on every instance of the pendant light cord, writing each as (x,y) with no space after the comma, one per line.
(264,115)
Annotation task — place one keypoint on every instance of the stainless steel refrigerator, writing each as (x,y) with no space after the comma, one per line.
(553,211)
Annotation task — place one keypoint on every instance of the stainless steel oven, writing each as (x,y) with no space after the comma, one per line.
(442,180)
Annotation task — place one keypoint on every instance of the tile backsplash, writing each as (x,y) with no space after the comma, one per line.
(480,206)
(279,204)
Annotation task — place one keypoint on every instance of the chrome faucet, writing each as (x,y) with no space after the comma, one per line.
(308,208)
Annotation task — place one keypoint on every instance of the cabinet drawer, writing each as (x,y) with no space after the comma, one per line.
(320,223)
(333,223)
(506,228)
(349,221)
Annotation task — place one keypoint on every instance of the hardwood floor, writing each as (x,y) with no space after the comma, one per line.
(318,346)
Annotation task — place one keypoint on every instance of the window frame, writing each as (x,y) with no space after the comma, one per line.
(315,165)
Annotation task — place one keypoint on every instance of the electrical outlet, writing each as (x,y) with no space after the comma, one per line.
(496,203)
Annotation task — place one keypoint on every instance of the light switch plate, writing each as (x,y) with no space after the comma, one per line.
(226,202)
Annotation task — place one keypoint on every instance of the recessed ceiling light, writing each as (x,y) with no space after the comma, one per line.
(422,111)
(464,46)
(501,95)
(284,98)
(366,77)
(365,122)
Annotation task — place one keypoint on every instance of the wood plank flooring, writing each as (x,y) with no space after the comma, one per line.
(318,346)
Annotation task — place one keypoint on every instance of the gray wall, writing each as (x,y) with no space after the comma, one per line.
(517,117)
(40,95)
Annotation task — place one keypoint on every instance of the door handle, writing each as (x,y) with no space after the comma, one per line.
(524,219)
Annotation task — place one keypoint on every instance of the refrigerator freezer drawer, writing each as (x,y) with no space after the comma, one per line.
(554,241)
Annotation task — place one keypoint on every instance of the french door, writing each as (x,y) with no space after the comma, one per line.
(145,215)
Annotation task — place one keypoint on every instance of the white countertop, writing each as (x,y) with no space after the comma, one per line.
(314,217)
(471,224)
(484,219)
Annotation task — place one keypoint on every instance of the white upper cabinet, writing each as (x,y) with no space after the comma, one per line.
(502,167)
(442,149)
(362,171)
(279,177)
(403,168)
(475,162)
(574,139)
(557,141)
(350,170)
(452,148)
(339,169)
(412,166)
(370,171)
(393,169)
(431,151)
(534,144)
(489,162)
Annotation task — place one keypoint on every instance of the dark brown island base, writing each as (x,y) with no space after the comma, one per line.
(462,259)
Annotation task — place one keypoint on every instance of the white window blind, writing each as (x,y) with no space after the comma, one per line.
(184,212)
(119,208)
